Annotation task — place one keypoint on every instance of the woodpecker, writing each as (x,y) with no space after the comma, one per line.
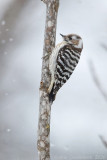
(62,62)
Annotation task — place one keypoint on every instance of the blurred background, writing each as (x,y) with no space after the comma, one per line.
(79,114)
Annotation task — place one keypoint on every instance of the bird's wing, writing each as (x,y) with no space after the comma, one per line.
(67,60)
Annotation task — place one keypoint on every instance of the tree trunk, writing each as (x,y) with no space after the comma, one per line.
(43,142)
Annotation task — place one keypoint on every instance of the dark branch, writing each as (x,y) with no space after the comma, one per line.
(103,141)
(96,79)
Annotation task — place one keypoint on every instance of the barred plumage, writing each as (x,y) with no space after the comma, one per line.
(63,61)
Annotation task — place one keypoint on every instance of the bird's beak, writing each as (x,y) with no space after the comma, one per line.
(62,35)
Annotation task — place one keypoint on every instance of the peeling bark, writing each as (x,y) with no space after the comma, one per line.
(43,143)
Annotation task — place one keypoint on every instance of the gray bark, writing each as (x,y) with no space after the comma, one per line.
(43,142)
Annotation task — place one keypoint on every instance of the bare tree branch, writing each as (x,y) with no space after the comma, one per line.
(96,80)
(103,141)
(43,142)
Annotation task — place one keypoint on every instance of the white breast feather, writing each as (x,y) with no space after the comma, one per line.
(80,44)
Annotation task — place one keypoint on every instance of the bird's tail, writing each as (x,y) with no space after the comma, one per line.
(52,95)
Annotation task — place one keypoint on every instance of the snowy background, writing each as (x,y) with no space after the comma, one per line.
(79,114)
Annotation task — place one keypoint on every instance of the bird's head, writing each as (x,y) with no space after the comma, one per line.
(74,40)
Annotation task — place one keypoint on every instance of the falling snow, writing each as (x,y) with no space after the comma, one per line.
(5,52)
(11,39)
(6,94)
(3,41)
(8,130)
(3,23)
(7,29)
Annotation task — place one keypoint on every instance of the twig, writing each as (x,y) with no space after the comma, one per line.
(103,141)
(96,80)
(43,142)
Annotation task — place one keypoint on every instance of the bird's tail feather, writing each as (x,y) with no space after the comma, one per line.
(52,95)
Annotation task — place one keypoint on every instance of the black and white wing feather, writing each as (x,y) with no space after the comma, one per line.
(66,62)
